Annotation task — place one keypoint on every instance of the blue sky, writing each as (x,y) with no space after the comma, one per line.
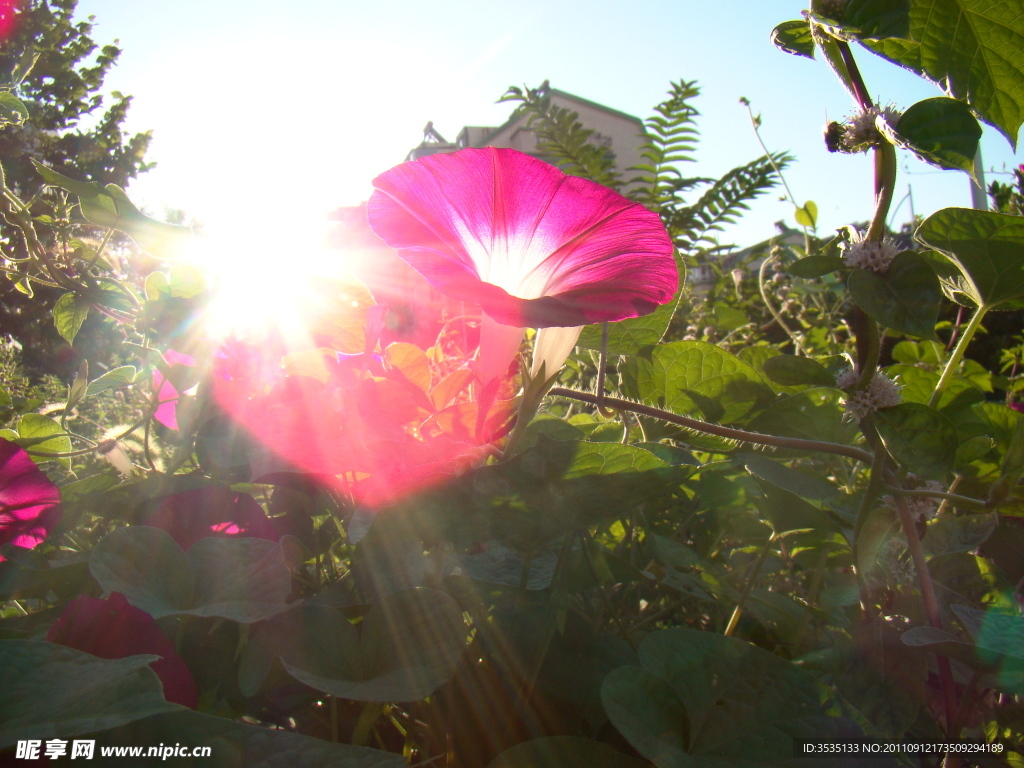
(267,115)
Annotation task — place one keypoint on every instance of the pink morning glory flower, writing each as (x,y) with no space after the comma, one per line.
(213,510)
(29,502)
(112,629)
(531,245)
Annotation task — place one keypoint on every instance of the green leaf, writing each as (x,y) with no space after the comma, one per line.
(920,437)
(43,434)
(627,337)
(649,713)
(815,266)
(958,534)
(988,251)
(242,579)
(814,414)
(407,646)
(878,18)
(998,644)
(973,50)
(993,631)
(69,313)
(499,564)
(564,752)
(50,691)
(807,215)
(112,379)
(109,206)
(940,131)
(12,111)
(883,678)
(794,37)
(234,744)
(907,298)
(788,512)
(78,387)
(803,484)
(545,491)
(705,699)
(688,376)
(794,370)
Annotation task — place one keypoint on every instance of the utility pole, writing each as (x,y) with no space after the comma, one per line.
(979,198)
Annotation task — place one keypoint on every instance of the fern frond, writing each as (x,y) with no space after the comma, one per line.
(671,137)
(561,138)
(727,198)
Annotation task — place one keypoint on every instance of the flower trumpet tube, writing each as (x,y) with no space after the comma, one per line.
(531,245)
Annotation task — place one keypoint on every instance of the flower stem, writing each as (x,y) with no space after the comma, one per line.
(793,336)
(931,606)
(715,429)
(957,356)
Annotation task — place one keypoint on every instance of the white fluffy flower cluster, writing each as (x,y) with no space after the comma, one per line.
(860,132)
(876,255)
(920,507)
(896,561)
(881,392)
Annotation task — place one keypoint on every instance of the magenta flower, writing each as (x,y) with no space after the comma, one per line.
(531,245)
(211,511)
(29,502)
(167,394)
(113,629)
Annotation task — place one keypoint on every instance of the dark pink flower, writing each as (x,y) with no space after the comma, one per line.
(113,629)
(212,510)
(29,502)
(531,245)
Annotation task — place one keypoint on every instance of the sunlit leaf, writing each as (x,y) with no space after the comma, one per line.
(43,434)
(627,337)
(688,376)
(973,50)
(940,131)
(69,313)
(987,250)
(109,206)
(12,111)
(794,37)
(121,376)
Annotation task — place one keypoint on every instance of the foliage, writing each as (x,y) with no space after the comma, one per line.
(55,70)
(791,510)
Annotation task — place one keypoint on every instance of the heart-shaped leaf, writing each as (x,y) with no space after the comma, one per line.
(986,248)
(242,579)
(920,437)
(50,691)
(973,50)
(688,376)
(407,646)
(940,131)
(906,298)
(794,37)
